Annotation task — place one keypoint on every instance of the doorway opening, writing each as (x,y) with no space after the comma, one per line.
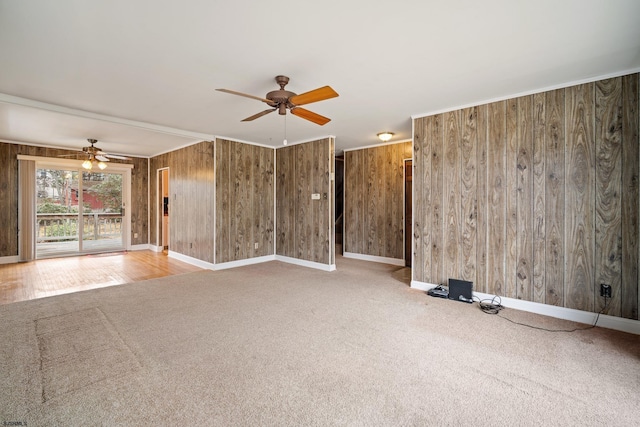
(163,210)
(408,210)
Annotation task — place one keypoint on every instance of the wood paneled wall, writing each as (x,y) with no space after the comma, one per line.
(535,197)
(374,195)
(9,193)
(305,226)
(244,201)
(191,204)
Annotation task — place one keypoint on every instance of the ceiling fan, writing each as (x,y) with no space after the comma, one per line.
(283,100)
(95,155)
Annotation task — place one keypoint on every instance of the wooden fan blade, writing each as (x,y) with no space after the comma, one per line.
(114,156)
(310,115)
(101,158)
(315,95)
(260,114)
(233,92)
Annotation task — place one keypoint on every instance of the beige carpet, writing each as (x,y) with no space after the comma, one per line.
(276,344)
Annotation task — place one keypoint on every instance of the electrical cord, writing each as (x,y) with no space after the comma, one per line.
(494,306)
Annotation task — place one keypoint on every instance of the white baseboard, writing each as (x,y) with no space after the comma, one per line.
(586,317)
(243,262)
(155,248)
(381,259)
(143,247)
(190,260)
(305,263)
(9,259)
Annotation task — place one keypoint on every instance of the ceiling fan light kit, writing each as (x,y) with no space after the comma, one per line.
(283,100)
(96,156)
(385,136)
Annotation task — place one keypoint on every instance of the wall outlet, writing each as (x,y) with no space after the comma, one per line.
(255,245)
(135,235)
(605,290)
(315,196)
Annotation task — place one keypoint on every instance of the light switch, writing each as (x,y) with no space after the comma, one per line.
(315,196)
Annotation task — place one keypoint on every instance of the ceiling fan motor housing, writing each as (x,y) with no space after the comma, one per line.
(281,97)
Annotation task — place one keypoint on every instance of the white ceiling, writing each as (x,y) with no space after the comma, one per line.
(140,76)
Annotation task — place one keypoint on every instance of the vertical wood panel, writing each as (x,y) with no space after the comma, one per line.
(374,186)
(351,168)
(525,200)
(437,192)
(267,194)
(539,183)
(580,199)
(285,199)
(223,218)
(630,196)
(556,173)
(451,192)
(9,196)
(554,197)
(482,222)
(303,191)
(469,190)
(608,135)
(496,197)
(421,255)
(511,198)
(360,202)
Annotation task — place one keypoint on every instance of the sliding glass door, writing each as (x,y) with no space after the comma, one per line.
(78,211)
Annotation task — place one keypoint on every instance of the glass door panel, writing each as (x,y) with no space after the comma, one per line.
(102,213)
(57,212)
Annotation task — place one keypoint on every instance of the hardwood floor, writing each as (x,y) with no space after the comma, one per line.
(47,277)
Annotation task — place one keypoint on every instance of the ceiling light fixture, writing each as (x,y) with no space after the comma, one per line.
(88,164)
(385,136)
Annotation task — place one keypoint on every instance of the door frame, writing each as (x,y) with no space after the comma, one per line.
(408,234)
(72,164)
(160,208)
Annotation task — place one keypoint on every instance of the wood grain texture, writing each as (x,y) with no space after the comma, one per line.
(469,189)
(436,137)
(420,231)
(223,159)
(630,282)
(352,226)
(304,226)
(554,214)
(451,194)
(580,199)
(557,197)
(496,206)
(511,198)
(285,201)
(539,186)
(608,227)
(244,201)
(42,278)
(481,274)
(524,188)
(139,207)
(374,200)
